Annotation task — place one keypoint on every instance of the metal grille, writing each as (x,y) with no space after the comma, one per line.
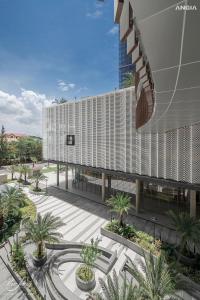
(105,136)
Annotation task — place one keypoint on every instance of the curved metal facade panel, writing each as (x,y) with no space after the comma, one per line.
(106,137)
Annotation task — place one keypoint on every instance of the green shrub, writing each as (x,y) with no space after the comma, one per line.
(84,273)
(29,210)
(127,231)
(18,256)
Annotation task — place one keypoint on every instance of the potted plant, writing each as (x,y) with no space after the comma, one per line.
(189,229)
(85,277)
(43,229)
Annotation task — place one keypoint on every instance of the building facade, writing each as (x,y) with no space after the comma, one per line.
(148,134)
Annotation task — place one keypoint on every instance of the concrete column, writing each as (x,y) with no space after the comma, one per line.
(66,177)
(138,194)
(103,187)
(109,185)
(58,173)
(193,203)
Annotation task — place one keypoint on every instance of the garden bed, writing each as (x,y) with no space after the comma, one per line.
(140,246)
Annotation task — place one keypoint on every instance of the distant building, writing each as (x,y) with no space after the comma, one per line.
(14,137)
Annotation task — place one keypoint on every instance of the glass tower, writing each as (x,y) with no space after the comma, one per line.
(125,63)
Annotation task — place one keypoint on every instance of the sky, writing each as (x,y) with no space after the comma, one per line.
(51,49)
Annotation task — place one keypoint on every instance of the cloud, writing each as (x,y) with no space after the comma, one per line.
(114,30)
(94,15)
(23,113)
(64,86)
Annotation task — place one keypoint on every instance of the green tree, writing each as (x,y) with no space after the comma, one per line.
(43,229)
(155,278)
(129,80)
(25,171)
(37,177)
(89,254)
(12,169)
(113,290)
(3,146)
(121,204)
(189,229)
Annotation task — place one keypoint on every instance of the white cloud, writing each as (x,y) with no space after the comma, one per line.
(23,113)
(114,30)
(64,86)
(94,15)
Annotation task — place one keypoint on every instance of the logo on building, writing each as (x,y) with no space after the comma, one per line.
(186,7)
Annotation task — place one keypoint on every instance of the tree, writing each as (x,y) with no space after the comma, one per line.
(3,146)
(13,196)
(37,177)
(155,278)
(121,203)
(189,230)
(113,290)
(129,80)
(43,229)
(12,169)
(25,171)
(89,254)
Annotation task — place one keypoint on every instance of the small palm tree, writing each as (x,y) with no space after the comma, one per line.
(25,171)
(12,198)
(188,228)
(121,203)
(155,278)
(37,177)
(12,169)
(113,290)
(20,171)
(129,80)
(34,160)
(43,229)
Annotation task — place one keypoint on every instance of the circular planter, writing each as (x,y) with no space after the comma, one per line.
(85,286)
(188,261)
(38,262)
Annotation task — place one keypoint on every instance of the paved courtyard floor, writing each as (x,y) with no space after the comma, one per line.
(83,219)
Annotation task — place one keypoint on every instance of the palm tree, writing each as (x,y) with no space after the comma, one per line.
(12,199)
(121,203)
(37,177)
(113,290)
(155,278)
(12,169)
(20,171)
(129,80)
(25,171)
(43,229)
(188,228)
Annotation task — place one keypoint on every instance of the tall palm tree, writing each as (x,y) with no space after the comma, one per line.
(121,203)
(25,171)
(113,290)
(43,229)
(3,211)
(37,177)
(155,278)
(188,228)
(12,169)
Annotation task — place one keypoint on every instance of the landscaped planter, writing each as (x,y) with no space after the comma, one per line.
(124,241)
(188,261)
(38,262)
(139,250)
(85,285)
